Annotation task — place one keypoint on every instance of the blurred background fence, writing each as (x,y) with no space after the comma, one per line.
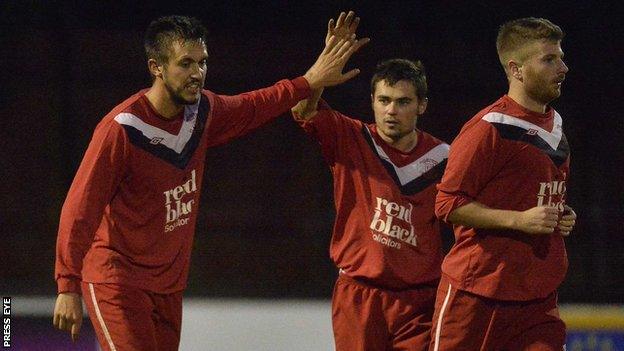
(279,325)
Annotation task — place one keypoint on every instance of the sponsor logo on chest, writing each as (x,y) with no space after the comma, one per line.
(552,194)
(179,203)
(393,221)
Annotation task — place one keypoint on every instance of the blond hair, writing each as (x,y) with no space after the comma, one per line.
(513,36)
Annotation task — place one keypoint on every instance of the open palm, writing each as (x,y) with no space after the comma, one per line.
(343,28)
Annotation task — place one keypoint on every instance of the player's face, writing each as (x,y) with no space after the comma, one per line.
(396,108)
(544,71)
(185,72)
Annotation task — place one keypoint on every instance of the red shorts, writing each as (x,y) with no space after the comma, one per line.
(371,318)
(127,318)
(464,321)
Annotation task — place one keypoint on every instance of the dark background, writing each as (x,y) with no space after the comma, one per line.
(267,207)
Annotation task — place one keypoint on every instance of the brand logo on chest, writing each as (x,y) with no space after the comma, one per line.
(178,206)
(393,221)
(552,194)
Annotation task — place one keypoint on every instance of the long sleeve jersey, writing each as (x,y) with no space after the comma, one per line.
(130,214)
(385,232)
(510,158)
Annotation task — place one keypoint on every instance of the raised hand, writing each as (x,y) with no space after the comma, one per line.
(344,27)
(327,70)
(340,32)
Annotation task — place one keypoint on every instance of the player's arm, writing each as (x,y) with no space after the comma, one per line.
(93,187)
(344,29)
(476,156)
(237,115)
(537,220)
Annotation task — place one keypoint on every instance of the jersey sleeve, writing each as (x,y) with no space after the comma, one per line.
(94,185)
(472,162)
(237,115)
(325,127)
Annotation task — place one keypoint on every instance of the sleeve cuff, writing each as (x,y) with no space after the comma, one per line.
(302,88)
(323,105)
(68,285)
(322,108)
(447,203)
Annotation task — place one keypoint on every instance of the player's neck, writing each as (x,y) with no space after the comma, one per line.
(162,102)
(404,144)
(517,94)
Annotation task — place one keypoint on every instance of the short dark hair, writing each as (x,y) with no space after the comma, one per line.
(515,34)
(395,70)
(162,32)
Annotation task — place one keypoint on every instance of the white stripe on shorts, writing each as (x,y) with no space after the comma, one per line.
(436,344)
(100,319)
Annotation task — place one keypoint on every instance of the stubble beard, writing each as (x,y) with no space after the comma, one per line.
(396,134)
(542,90)
(544,94)
(178,98)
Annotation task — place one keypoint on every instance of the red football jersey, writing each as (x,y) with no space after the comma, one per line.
(130,214)
(506,157)
(385,232)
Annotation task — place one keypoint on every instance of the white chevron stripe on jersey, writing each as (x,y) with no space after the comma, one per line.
(173,142)
(418,167)
(552,138)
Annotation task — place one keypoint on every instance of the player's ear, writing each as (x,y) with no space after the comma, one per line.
(422,106)
(154,68)
(515,70)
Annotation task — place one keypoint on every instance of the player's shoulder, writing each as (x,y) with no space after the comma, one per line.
(430,139)
(217,103)
(498,106)
(479,125)
(504,110)
(433,145)
(329,115)
(209,95)
(351,120)
(130,106)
